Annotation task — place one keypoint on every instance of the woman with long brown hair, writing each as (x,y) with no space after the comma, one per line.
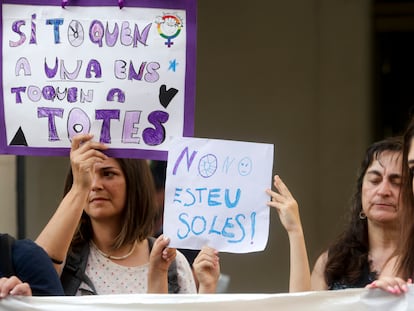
(107,216)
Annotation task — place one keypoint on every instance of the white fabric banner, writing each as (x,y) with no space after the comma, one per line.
(350,299)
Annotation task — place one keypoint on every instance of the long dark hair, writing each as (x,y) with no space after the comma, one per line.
(140,209)
(348,255)
(405,262)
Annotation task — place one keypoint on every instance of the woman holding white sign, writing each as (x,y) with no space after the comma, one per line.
(288,212)
(106,218)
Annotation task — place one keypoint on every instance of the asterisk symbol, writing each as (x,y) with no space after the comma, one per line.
(173,65)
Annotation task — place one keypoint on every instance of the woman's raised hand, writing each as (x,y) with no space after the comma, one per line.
(285,204)
(206,267)
(84,153)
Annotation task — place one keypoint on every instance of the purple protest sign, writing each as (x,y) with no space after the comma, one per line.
(123,71)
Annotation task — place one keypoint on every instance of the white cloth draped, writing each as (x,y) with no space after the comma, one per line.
(350,299)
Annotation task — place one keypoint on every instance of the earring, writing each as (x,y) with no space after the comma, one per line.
(362,215)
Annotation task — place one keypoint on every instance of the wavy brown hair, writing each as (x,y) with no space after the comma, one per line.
(348,255)
(405,250)
(140,207)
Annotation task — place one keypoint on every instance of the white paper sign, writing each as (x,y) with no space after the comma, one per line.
(215,194)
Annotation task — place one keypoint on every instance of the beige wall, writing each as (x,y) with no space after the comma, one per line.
(8,194)
(292,73)
(296,74)
(44,188)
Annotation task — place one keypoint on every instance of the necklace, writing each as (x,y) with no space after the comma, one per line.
(115,257)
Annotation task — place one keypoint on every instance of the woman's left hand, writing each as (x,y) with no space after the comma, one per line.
(161,255)
(393,285)
(285,204)
(160,260)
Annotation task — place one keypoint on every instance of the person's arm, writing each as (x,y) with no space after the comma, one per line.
(288,212)
(318,273)
(161,257)
(14,286)
(33,265)
(206,269)
(57,235)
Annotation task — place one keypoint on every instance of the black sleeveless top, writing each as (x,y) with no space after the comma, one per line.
(367,276)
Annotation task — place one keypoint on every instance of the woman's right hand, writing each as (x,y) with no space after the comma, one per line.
(84,153)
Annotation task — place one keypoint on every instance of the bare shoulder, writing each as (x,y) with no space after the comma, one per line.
(318,273)
(321,261)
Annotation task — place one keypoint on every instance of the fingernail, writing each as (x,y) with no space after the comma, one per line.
(405,288)
(390,289)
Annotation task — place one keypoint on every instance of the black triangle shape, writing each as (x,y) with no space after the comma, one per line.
(19,139)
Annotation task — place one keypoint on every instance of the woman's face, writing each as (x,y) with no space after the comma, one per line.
(381,187)
(108,192)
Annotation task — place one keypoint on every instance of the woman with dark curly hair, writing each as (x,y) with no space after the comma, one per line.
(369,240)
